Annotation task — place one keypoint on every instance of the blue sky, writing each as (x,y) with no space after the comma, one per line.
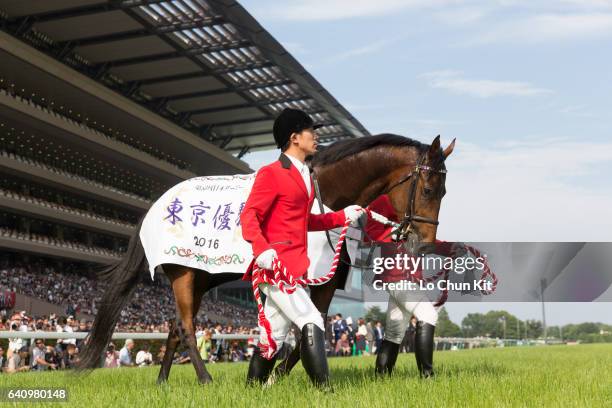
(524,86)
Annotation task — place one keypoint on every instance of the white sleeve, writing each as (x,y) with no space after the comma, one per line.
(140,357)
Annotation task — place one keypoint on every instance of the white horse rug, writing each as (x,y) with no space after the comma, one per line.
(197,224)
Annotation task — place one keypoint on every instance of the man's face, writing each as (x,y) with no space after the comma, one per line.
(306,140)
(1,351)
(40,345)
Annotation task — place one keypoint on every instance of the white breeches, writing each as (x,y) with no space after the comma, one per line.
(402,305)
(282,309)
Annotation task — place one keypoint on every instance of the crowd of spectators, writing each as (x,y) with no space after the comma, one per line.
(344,337)
(40,354)
(63,208)
(149,310)
(47,240)
(57,171)
(97,130)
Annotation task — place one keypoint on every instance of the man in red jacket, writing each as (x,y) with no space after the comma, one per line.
(275,220)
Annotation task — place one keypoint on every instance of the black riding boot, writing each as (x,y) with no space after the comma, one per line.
(424,345)
(313,356)
(386,358)
(259,368)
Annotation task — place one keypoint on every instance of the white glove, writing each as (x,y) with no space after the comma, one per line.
(353,212)
(264,260)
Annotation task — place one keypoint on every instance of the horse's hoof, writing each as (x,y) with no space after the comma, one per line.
(161,381)
(206,380)
(271,380)
(326,388)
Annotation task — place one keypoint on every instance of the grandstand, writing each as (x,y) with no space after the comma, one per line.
(106,104)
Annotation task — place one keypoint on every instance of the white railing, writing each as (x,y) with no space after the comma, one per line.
(116,336)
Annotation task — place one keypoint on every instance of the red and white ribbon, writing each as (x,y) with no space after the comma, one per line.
(445,271)
(283,280)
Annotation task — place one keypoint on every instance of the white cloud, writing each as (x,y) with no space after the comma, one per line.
(547,28)
(527,191)
(352,107)
(356,52)
(462,15)
(362,50)
(322,10)
(483,88)
(589,4)
(578,111)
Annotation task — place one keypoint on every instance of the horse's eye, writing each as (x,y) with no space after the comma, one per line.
(427,191)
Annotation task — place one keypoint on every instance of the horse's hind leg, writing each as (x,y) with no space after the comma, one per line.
(173,334)
(171,343)
(184,284)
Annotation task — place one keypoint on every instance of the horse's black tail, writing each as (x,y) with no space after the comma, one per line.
(122,278)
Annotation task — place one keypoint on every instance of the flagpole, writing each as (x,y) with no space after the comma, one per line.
(542,286)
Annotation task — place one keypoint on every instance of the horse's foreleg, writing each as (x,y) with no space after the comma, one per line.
(186,290)
(171,343)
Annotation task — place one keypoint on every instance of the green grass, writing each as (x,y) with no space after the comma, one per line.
(554,376)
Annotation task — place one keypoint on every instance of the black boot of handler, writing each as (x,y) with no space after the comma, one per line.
(386,358)
(424,345)
(259,368)
(313,356)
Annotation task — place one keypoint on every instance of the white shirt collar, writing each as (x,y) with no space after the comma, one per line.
(298,164)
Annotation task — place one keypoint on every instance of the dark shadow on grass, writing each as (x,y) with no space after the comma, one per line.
(473,369)
(349,376)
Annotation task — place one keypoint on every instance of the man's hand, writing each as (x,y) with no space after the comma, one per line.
(353,212)
(264,260)
(458,250)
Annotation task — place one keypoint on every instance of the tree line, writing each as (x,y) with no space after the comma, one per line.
(501,324)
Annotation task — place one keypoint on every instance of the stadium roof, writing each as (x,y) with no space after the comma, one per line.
(206,65)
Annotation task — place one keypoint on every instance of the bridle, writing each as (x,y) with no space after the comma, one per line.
(410,216)
(404,228)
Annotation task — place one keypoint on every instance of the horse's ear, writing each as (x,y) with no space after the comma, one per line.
(435,146)
(449,149)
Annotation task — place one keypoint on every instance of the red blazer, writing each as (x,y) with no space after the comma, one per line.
(277,215)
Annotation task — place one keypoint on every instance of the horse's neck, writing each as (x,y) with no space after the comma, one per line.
(362,178)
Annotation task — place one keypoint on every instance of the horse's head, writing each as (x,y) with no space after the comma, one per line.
(416,194)
(356,171)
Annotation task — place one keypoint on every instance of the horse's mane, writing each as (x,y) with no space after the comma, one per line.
(349,147)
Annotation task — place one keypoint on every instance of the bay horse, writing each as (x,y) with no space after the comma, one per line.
(353,171)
